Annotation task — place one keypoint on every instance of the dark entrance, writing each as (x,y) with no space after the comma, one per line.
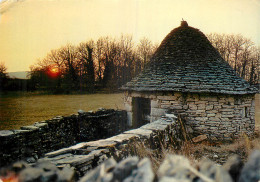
(141,111)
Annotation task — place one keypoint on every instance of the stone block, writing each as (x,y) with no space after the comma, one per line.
(33,128)
(157,112)
(174,102)
(166,97)
(200,111)
(209,107)
(105,143)
(185,107)
(140,132)
(178,94)
(58,152)
(6,133)
(213,103)
(174,107)
(153,118)
(152,96)
(128,107)
(122,138)
(199,138)
(211,111)
(129,118)
(154,127)
(218,115)
(227,113)
(211,115)
(201,107)
(193,107)
(201,118)
(226,110)
(201,102)
(227,116)
(228,107)
(230,99)
(136,94)
(201,114)
(217,107)
(155,104)
(208,98)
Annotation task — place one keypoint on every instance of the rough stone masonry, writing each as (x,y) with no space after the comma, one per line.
(31,142)
(221,116)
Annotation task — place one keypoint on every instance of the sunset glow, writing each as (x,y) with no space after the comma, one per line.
(53,72)
(29,29)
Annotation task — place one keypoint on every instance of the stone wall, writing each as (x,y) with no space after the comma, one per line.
(31,142)
(101,124)
(101,160)
(85,156)
(218,115)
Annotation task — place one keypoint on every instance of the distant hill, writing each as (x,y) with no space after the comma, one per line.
(19,74)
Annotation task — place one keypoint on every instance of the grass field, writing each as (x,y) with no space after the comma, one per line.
(16,111)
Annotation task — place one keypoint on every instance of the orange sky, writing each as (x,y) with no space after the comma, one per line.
(31,28)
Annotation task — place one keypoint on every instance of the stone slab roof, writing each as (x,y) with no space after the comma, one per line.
(187,62)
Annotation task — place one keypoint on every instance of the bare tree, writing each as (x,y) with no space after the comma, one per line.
(68,55)
(246,57)
(85,67)
(255,66)
(239,52)
(3,75)
(99,54)
(126,59)
(145,50)
(3,68)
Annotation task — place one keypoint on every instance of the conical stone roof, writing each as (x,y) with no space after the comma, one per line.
(187,62)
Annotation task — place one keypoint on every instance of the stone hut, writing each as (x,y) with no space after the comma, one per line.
(188,76)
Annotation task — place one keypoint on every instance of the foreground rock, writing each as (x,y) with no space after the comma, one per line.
(251,170)
(39,172)
(128,170)
(175,168)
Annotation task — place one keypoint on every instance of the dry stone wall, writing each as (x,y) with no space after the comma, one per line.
(31,142)
(85,156)
(220,116)
(173,168)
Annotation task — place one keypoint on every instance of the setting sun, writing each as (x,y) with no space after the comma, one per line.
(53,71)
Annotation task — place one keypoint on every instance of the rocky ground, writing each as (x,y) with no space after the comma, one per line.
(177,168)
(174,168)
(220,152)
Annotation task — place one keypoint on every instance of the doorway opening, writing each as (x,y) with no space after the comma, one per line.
(141,111)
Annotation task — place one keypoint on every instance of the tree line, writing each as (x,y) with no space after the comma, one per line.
(241,54)
(108,63)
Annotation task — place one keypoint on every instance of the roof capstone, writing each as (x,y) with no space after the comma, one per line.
(184,23)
